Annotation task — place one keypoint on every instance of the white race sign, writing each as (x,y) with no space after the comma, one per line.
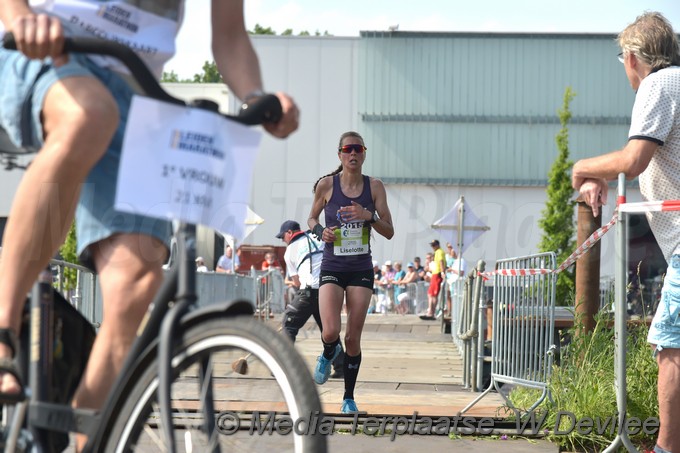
(188,164)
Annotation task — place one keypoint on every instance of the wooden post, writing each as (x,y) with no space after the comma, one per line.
(587,268)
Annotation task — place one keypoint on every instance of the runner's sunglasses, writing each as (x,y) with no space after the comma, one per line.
(347,149)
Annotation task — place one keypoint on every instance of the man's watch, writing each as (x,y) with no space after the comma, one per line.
(375,218)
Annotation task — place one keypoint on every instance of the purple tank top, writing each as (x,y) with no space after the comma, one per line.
(351,250)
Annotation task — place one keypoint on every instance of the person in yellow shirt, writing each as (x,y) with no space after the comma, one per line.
(437,267)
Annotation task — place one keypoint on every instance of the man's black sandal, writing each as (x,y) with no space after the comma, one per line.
(8,365)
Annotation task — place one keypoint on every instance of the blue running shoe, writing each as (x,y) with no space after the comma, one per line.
(323,366)
(349,406)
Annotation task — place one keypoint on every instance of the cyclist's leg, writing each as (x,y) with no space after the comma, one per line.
(76,117)
(126,250)
(130,273)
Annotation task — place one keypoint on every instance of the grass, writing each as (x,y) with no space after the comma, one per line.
(583,385)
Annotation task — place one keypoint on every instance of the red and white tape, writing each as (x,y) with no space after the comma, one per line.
(650,206)
(580,251)
(637,207)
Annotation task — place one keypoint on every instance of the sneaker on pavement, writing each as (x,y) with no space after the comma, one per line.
(348,406)
(338,373)
(323,366)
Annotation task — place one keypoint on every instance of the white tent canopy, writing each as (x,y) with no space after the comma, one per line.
(460,214)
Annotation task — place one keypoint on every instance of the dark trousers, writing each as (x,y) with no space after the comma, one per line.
(305,304)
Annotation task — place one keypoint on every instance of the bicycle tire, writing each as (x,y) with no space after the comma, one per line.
(273,360)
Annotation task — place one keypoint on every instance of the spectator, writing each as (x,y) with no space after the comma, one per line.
(455,272)
(650,55)
(270,261)
(420,270)
(377,275)
(200,265)
(227,264)
(399,274)
(384,287)
(437,268)
(303,262)
(404,299)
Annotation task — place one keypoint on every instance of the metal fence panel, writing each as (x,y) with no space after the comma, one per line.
(523,325)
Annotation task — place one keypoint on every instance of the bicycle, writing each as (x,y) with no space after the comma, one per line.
(177,375)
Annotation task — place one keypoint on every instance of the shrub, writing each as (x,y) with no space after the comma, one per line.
(583,385)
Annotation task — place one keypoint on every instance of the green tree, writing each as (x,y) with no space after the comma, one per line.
(68,253)
(260,30)
(169,77)
(557,222)
(210,74)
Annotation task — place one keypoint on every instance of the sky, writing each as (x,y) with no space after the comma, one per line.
(349,17)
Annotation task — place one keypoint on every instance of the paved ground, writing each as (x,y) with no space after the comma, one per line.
(409,367)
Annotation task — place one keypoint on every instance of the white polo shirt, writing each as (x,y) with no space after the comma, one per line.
(656,117)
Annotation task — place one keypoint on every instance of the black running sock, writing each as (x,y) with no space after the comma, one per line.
(329,348)
(351,369)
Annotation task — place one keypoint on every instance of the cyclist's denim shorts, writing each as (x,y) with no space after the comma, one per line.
(665,329)
(24,85)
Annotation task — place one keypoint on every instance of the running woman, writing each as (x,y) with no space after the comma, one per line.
(354,204)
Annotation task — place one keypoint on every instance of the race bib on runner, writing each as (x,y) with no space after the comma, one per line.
(351,239)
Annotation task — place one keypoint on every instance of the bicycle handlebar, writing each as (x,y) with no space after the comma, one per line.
(265,109)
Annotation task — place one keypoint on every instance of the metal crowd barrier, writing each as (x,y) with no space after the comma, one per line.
(270,291)
(469,327)
(523,326)
(416,297)
(606,293)
(265,289)
(384,302)
(78,285)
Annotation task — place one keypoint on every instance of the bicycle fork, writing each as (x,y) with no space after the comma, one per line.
(185,298)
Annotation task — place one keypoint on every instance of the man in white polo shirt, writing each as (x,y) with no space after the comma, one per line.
(651,55)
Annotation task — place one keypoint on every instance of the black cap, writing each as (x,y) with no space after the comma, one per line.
(288,225)
(434,242)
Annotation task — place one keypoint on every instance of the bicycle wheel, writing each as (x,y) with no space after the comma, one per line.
(253,410)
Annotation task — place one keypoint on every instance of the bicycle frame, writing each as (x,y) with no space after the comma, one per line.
(172,305)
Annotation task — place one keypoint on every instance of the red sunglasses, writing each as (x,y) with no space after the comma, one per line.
(347,149)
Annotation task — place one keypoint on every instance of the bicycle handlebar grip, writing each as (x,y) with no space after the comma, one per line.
(265,109)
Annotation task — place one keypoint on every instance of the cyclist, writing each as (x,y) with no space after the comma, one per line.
(354,204)
(74,109)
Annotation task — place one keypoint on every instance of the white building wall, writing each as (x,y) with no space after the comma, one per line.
(319,72)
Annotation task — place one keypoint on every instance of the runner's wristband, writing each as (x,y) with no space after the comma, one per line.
(318,231)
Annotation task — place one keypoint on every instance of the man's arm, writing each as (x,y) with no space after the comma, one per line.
(590,176)
(631,160)
(238,63)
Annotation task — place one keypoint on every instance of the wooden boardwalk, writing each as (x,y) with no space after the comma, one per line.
(407,366)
